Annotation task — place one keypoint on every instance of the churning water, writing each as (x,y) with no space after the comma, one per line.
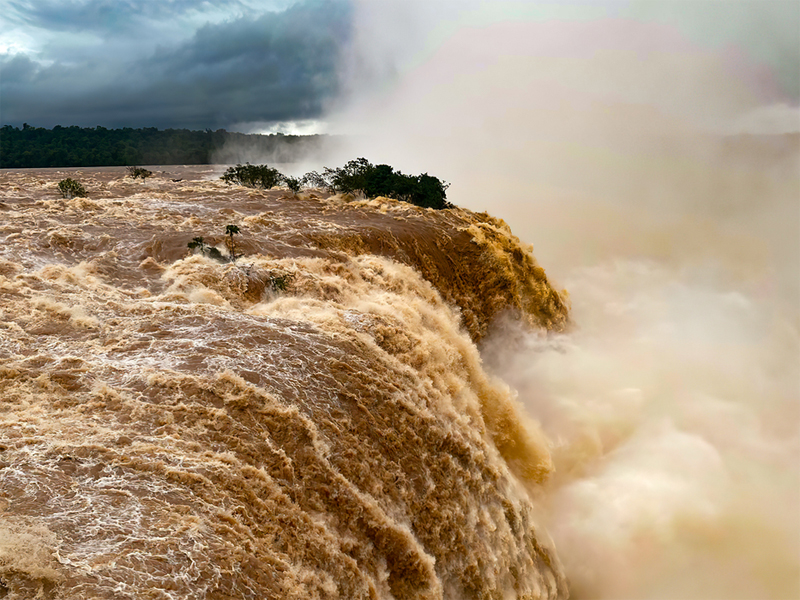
(311,421)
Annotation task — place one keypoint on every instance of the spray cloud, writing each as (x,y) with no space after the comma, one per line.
(656,172)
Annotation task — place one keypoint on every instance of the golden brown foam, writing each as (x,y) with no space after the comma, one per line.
(177,427)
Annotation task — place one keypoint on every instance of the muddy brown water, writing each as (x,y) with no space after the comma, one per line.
(311,420)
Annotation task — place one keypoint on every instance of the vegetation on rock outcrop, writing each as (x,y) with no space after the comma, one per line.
(357,176)
(139,172)
(70,188)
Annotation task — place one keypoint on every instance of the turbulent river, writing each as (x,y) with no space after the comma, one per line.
(380,401)
(311,420)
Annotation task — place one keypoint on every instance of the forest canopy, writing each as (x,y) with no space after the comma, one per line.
(32,147)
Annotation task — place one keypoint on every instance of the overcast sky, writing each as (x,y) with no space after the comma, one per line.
(249,64)
(169,63)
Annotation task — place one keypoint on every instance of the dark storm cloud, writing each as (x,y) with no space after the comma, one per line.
(258,67)
(108,16)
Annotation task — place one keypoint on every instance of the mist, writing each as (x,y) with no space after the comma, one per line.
(657,177)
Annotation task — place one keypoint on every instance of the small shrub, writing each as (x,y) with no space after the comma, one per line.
(315,180)
(197,243)
(293,183)
(70,188)
(257,176)
(279,283)
(139,172)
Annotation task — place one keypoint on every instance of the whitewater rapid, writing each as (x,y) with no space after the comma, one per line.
(311,421)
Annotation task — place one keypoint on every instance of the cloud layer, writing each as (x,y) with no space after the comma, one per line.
(176,64)
(252,64)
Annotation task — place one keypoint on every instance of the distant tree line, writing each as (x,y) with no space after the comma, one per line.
(357,176)
(29,147)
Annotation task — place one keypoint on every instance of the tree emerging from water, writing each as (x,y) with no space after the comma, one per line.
(70,188)
(357,176)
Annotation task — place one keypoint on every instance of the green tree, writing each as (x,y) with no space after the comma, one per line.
(139,172)
(361,176)
(230,231)
(70,188)
(293,183)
